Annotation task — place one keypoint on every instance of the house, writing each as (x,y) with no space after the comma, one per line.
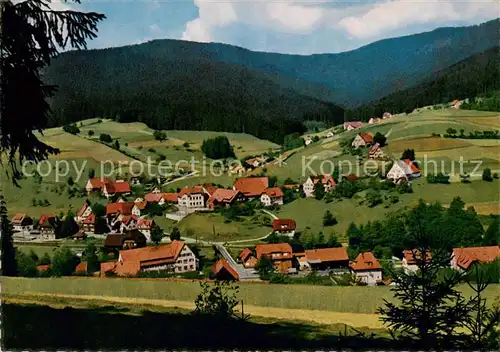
(155,197)
(22,222)
(251,187)
(43,267)
(208,188)
(119,208)
(373,120)
(248,258)
(255,162)
(279,253)
(308,141)
(376,153)
(350,177)
(138,207)
(335,259)
(284,227)
(327,181)
(223,271)
(81,268)
(367,269)
(387,115)
(463,258)
(330,134)
(126,223)
(351,125)
(169,198)
(131,239)
(362,140)
(88,224)
(272,196)
(403,170)
(47,226)
(96,184)
(84,212)
(222,197)
(192,198)
(119,187)
(175,257)
(145,226)
(295,187)
(411,258)
(455,104)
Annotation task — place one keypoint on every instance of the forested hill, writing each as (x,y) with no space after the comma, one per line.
(476,76)
(172,88)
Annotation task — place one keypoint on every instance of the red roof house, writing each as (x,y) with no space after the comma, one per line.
(222,196)
(281,254)
(284,226)
(223,271)
(463,258)
(367,269)
(327,258)
(251,187)
(350,125)
(123,208)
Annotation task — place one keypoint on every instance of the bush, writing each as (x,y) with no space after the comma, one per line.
(186,145)
(373,197)
(438,178)
(160,135)
(329,219)
(151,150)
(487,175)
(90,133)
(71,129)
(217,148)
(106,138)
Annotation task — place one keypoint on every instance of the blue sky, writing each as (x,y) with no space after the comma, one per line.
(299,27)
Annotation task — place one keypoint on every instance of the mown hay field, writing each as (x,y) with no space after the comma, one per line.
(355,299)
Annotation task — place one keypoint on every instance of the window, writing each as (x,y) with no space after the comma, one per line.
(185,267)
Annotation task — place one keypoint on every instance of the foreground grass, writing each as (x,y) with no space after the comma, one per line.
(356,299)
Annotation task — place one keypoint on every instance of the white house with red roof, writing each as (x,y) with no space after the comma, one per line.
(84,212)
(387,115)
(272,196)
(362,140)
(403,170)
(463,258)
(223,197)
(251,187)
(367,269)
(192,198)
(327,181)
(107,187)
(22,222)
(373,120)
(145,226)
(284,227)
(352,125)
(376,153)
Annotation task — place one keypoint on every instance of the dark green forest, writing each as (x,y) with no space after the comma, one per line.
(476,76)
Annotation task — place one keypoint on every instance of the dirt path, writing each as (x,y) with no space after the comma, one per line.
(357,320)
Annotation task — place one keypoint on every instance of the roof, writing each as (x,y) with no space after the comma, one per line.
(191,190)
(117,239)
(47,220)
(245,254)
(81,267)
(351,177)
(292,186)
(124,208)
(170,197)
(144,256)
(128,218)
(113,240)
(223,264)
(325,179)
(141,205)
(44,267)
(365,261)
(222,195)
(284,224)
(155,197)
(108,266)
(374,148)
(98,183)
(18,218)
(145,223)
(84,207)
(274,192)
(465,257)
(412,166)
(265,249)
(455,102)
(89,219)
(368,138)
(411,256)
(209,188)
(117,187)
(251,186)
(355,124)
(251,262)
(327,254)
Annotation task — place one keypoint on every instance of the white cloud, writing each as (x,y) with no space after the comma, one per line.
(154,28)
(294,17)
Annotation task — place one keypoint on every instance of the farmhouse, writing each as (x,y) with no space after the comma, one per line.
(223,197)
(84,212)
(131,239)
(138,207)
(330,134)
(126,223)
(145,226)
(373,120)
(169,198)
(119,208)
(335,259)
(279,253)
(47,226)
(22,222)
(376,153)
(176,257)
(107,187)
(96,184)
(272,196)
(403,170)
(251,187)
(284,227)
(455,104)
(155,197)
(351,125)
(387,115)
(362,140)
(327,181)
(255,162)
(192,198)
(248,258)
(411,258)
(308,141)
(463,258)
(88,224)
(367,269)
(223,271)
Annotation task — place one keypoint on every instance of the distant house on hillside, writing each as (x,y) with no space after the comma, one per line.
(455,104)
(351,125)
(373,120)
(367,269)
(223,197)
(119,209)
(284,227)
(403,170)
(327,181)
(362,140)
(22,222)
(410,258)
(376,153)
(308,141)
(47,226)
(463,258)
(107,187)
(255,162)
(330,134)
(272,196)
(251,187)
(387,115)
(84,212)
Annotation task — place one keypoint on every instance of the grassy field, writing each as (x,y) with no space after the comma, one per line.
(354,299)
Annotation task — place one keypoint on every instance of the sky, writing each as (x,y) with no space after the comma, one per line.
(295,27)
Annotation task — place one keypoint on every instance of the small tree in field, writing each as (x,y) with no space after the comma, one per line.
(487,175)
(218,299)
(329,219)
(175,234)
(319,191)
(156,235)
(264,267)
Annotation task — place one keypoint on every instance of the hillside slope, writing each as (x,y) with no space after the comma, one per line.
(469,78)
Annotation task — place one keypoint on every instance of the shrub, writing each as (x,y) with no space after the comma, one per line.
(373,197)
(106,138)
(329,219)
(71,129)
(160,135)
(217,148)
(90,133)
(487,175)
(218,299)
(186,145)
